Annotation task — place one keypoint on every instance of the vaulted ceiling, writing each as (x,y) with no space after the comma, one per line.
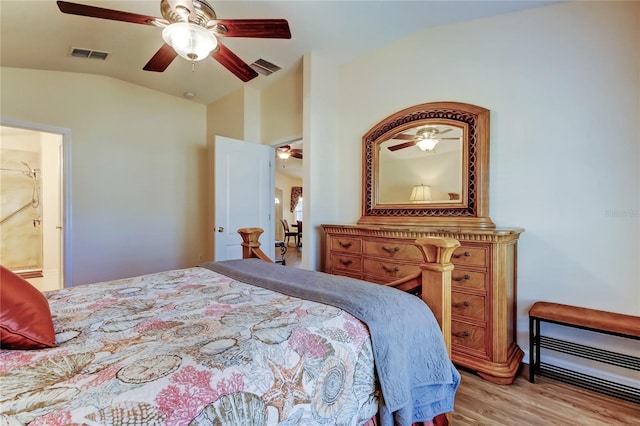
(35,34)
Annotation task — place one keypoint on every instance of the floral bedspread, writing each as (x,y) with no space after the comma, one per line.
(191,347)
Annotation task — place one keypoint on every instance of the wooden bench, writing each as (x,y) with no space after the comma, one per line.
(615,324)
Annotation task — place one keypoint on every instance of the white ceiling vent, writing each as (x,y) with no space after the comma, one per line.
(88,53)
(264,67)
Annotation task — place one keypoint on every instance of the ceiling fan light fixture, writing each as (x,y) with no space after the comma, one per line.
(427,144)
(283,155)
(190,41)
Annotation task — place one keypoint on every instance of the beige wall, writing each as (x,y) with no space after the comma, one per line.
(225,117)
(281,107)
(137,165)
(559,81)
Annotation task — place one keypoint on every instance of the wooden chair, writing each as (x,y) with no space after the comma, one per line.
(288,233)
(299,222)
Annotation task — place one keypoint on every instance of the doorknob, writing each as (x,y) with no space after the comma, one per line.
(220,229)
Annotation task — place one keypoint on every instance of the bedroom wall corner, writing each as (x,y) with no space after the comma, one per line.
(281,106)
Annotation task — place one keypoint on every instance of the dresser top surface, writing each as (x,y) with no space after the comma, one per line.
(417,230)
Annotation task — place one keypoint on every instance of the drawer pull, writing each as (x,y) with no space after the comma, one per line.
(390,270)
(464,304)
(464,277)
(344,245)
(345,262)
(463,334)
(465,254)
(390,250)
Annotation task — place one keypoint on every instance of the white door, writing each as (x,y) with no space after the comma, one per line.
(244,195)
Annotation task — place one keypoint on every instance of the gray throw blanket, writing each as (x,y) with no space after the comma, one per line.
(417,378)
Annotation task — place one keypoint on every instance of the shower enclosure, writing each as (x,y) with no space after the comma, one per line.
(21,213)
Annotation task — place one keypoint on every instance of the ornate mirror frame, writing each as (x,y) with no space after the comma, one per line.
(472,210)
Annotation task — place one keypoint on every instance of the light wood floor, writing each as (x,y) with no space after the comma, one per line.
(546,402)
(293,256)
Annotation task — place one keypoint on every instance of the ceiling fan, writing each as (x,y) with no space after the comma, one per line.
(192,30)
(426,138)
(285,151)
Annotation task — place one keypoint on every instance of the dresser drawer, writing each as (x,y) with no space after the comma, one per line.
(388,269)
(393,250)
(345,244)
(467,305)
(346,262)
(468,279)
(468,336)
(471,255)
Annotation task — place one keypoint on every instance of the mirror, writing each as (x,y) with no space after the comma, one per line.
(421,165)
(428,165)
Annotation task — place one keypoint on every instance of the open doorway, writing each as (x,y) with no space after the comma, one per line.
(288,177)
(31,210)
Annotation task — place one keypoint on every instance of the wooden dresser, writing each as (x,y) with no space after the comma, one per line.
(483,284)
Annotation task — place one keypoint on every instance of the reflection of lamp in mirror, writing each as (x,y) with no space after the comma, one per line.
(420,193)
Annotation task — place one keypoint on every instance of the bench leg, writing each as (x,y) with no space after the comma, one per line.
(534,348)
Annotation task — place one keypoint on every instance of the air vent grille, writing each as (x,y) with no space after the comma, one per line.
(87,53)
(264,67)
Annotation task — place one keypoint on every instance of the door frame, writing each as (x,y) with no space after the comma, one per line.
(66,258)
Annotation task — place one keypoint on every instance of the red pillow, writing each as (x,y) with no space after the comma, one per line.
(25,318)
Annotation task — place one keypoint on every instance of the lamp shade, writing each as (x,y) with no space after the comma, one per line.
(420,193)
(190,41)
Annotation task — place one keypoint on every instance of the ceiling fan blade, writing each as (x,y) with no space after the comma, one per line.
(233,63)
(449,139)
(401,146)
(114,15)
(162,59)
(254,28)
(296,153)
(443,132)
(404,137)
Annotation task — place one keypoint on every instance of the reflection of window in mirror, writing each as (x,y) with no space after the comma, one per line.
(422,164)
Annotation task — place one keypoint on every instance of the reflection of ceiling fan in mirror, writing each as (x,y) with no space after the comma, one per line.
(426,138)
(286,151)
(191,30)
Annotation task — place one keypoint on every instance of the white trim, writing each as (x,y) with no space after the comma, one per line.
(67,267)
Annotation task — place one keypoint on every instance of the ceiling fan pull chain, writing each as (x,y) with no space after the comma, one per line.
(193,66)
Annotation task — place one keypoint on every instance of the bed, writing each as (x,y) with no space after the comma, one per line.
(242,342)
